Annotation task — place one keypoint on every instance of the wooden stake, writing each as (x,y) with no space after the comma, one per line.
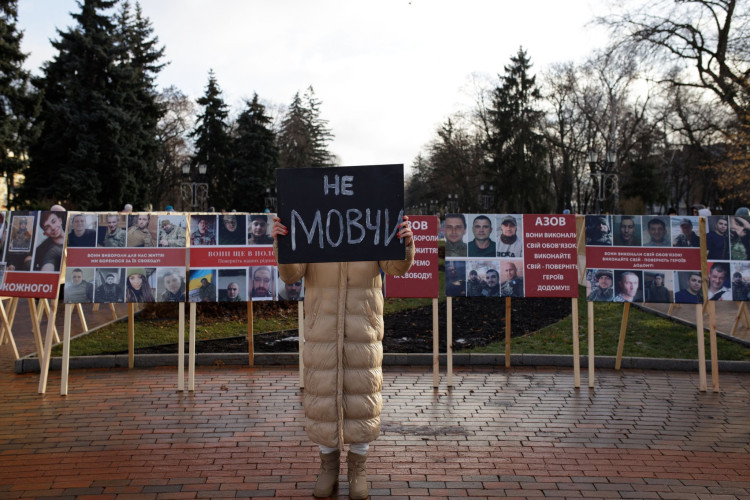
(45,360)
(591,343)
(6,325)
(35,328)
(435,345)
(701,346)
(191,347)
(576,347)
(79,309)
(449,339)
(66,349)
(714,347)
(250,341)
(507,332)
(181,348)
(623,328)
(131,335)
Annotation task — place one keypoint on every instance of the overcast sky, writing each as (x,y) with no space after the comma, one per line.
(388,72)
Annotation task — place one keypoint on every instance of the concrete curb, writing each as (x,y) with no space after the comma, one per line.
(31,365)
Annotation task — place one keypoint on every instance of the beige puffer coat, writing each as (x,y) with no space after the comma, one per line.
(343,351)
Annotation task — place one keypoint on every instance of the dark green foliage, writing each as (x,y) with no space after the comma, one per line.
(212,144)
(304,136)
(255,158)
(97,146)
(516,147)
(18,102)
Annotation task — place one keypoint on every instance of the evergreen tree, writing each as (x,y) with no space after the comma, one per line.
(255,157)
(139,56)
(516,146)
(18,103)
(212,144)
(304,135)
(95,148)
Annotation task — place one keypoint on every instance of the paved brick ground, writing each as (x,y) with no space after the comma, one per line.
(518,433)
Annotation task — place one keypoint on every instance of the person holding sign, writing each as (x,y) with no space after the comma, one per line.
(343,356)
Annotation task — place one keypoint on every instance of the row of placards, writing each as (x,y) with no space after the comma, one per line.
(168,284)
(633,258)
(630,258)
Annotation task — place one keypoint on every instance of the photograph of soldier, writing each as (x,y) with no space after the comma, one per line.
(79,286)
(455,230)
(233,285)
(717,238)
(232,230)
(455,278)
(599,285)
(49,250)
(740,281)
(658,286)
(655,231)
(689,284)
(719,284)
(509,241)
(82,230)
(141,230)
(112,232)
(511,274)
(598,230)
(627,231)
(172,231)
(202,230)
(262,282)
(482,245)
(139,286)
(170,284)
(201,285)
(258,230)
(291,291)
(20,233)
(683,235)
(109,286)
(628,286)
(483,278)
(739,237)
(474,285)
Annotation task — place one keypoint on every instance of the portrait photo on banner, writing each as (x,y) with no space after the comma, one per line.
(203,230)
(233,229)
(232,285)
(110,285)
(50,241)
(455,278)
(112,230)
(170,284)
(83,230)
(79,285)
(172,231)
(290,291)
(202,285)
(142,230)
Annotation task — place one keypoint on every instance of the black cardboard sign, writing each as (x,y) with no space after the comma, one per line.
(341,214)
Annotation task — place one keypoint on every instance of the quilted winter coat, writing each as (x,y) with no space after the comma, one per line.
(343,350)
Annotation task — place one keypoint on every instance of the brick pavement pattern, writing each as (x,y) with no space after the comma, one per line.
(511,433)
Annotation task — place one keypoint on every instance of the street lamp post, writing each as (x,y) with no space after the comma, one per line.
(606,183)
(453,206)
(486,198)
(194,194)
(271,199)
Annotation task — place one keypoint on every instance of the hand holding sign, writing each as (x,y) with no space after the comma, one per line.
(341,214)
